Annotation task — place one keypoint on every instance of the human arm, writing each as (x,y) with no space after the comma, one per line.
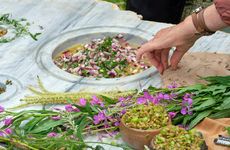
(181,36)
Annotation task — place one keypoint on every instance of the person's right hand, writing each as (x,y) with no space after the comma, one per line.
(181,36)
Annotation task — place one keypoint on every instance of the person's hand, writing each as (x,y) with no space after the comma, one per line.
(181,36)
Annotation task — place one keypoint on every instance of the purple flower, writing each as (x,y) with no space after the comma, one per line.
(96,101)
(69,108)
(122,99)
(99,117)
(172,86)
(123,111)
(147,95)
(167,97)
(82,102)
(187,99)
(186,110)
(160,96)
(8,131)
(141,100)
(1,109)
(52,134)
(2,134)
(112,73)
(56,117)
(172,115)
(183,111)
(8,121)
(117,123)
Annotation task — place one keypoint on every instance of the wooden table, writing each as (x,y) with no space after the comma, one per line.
(23,59)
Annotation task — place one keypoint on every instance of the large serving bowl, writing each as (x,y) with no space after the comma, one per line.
(83,36)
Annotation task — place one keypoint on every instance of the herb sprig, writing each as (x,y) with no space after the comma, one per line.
(20,28)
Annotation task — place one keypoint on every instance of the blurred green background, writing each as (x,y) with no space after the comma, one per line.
(190,5)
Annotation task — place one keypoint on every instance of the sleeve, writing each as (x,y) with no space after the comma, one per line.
(223,8)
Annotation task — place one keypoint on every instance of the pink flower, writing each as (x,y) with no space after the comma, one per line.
(183,111)
(56,117)
(2,134)
(117,123)
(187,99)
(82,102)
(141,100)
(99,117)
(1,109)
(123,111)
(172,86)
(186,110)
(8,131)
(8,121)
(69,108)
(172,114)
(52,134)
(112,73)
(121,99)
(96,101)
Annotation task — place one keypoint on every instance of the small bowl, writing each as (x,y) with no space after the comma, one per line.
(137,138)
(203,146)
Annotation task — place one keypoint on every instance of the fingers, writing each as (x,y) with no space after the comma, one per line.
(151,58)
(148,47)
(155,59)
(176,57)
(164,58)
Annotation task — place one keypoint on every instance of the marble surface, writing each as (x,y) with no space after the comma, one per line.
(21,60)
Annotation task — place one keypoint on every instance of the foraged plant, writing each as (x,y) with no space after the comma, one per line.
(146,117)
(109,57)
(19,28)
(176,138)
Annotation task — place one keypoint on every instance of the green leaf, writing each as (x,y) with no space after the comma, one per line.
(225,104)
(108,100)
(188,118)
(46,125)
(222,80)
(192,88)
(32,123)
(199,118)
(206,104)
(178,120)
(173,107)
(84,122)
(227,93)
(221,114)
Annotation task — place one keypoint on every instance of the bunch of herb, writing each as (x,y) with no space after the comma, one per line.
(146,117)
(20,28)
(187,106)
(58,128)
(176,138)
(109,57)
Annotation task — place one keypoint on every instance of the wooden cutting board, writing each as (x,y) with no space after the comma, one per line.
(194,65)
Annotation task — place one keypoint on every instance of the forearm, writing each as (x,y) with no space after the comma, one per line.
(212,19)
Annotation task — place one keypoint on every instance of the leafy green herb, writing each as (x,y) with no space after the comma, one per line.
(20,27)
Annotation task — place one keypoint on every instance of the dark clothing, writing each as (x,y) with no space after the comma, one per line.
(169,11)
